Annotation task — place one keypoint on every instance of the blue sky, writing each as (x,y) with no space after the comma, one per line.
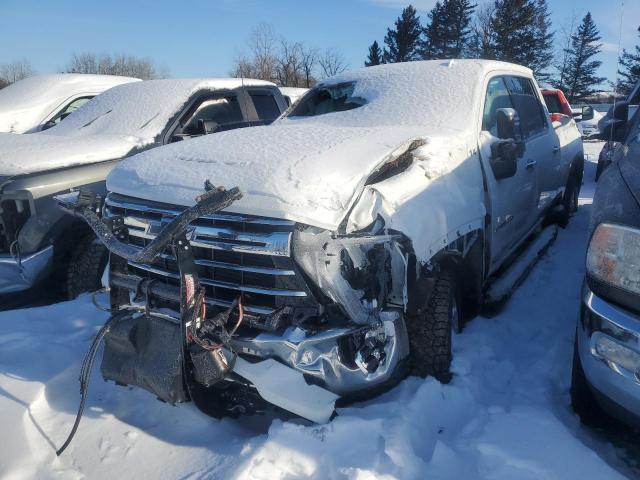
(202,38)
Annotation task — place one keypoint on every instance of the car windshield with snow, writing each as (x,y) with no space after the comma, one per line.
(80,152)
(368,224)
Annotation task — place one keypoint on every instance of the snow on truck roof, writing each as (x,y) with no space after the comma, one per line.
(433,92)
(141,109)
(26,103)
(307,168)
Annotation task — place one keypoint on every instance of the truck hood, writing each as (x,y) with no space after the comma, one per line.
(37,152)
(295,169)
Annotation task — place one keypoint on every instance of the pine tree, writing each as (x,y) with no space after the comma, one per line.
(580,75)
(544,40)
(375,55)
(448,32)
(403,42)
(631,69)
(513,32)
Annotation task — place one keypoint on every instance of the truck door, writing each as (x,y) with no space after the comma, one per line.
(542,157)
(510,199)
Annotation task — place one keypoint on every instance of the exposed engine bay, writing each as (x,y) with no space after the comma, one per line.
(332,328)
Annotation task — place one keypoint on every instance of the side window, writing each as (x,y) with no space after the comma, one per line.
(497,97)
(212,115)
(69,109)
(527,104)
(266,106)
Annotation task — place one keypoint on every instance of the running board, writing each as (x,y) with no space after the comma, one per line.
(502,288)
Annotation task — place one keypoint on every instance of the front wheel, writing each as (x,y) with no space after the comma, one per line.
(87,262)
(569,201)
(430,331)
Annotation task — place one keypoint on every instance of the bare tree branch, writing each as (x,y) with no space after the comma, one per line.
(332,62)
(15,71)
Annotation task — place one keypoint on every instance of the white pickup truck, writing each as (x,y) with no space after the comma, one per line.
(375,216)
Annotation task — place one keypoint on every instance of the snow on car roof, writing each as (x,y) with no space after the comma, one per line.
(141,109)
(26,104)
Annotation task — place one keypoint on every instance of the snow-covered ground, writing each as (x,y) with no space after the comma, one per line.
(505,415)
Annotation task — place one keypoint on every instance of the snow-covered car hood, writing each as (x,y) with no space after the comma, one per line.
(24,154)
(308,173)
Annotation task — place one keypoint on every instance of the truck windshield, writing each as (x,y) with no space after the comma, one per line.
(327,99)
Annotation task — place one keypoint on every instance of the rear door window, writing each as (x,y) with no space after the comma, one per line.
(266,106)
(526,102)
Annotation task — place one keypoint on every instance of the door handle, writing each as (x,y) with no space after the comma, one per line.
(556,149)
(530,164)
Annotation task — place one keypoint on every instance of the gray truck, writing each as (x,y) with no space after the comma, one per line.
(36,239)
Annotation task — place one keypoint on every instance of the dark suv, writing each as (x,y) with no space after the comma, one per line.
(607,353)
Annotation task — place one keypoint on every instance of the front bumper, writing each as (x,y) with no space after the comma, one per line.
(18,275)
(617,388)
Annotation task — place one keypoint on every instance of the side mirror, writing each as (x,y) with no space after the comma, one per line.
(587,112)
(48,125)
(207,126)
(614,125)
(505,152)
(507,123)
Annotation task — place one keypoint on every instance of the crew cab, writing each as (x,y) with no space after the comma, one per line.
(41,102)
(375,214)
(35,236)
(606,364)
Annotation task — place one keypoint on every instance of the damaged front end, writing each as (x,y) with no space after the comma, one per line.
(287,313)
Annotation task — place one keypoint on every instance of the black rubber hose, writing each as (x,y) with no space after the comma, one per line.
(85,376)
(211,202)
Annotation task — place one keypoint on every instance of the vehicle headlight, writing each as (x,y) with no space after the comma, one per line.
(613,257)
(353,271)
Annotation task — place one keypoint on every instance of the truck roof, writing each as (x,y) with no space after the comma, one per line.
(26,103)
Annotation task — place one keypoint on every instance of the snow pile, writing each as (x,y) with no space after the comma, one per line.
(108,127)
(26,104)
(505,415)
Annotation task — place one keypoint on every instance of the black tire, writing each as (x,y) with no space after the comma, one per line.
(569,201)
(430,331)
(583,401)
(87,262)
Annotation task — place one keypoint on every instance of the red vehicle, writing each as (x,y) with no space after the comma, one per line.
(557,104)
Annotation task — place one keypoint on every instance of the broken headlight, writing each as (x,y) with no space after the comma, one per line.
(355,271)
(14,213)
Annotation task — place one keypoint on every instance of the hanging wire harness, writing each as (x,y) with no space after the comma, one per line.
(202,339)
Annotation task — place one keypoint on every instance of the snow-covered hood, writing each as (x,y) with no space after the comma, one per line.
(24,154)
(304,172)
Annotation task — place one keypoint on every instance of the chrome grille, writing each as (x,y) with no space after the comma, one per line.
(233,253)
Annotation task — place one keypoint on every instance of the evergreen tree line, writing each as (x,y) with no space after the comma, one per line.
(517,31)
